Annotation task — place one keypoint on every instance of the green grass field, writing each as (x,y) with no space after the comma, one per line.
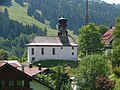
(19,13)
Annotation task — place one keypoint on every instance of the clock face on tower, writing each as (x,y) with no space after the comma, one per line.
(63,34)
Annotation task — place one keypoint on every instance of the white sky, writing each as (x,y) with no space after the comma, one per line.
(112,1)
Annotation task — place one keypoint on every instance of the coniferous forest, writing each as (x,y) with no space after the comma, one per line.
(99,12)
(14,36)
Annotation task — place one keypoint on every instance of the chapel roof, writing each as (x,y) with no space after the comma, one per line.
(52,41)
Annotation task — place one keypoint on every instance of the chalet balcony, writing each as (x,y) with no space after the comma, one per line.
(16,88)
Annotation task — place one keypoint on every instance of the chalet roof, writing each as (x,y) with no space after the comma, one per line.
(33,71)
(7,65)
(108,34)
(30,71)
(14,63)
(14,69)
(52,41)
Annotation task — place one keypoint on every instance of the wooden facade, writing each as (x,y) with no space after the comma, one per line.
(13,79)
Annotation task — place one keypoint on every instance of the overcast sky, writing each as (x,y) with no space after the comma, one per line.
(112,1)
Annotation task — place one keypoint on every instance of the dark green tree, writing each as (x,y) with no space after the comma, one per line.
(117,32)
(89,39)
(116,44)
(5,3)
(6,28)
(102,29)
(3,55)
(5,12)
(58,79)
(39,17)
(89,68)
(45,30)
(20,2)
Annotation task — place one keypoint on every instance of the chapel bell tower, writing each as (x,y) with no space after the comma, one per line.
(62,27)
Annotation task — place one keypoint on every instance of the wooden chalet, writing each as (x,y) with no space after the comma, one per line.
(12,78)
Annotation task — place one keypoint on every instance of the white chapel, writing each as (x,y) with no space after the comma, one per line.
(61,47)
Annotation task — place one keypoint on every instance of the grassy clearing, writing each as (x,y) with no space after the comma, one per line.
(19,13)
(53,63)
(1,8)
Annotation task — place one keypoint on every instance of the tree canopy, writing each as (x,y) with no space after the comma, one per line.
(58,78)
(116,44)
(90,39)
(3,55)
(89,68)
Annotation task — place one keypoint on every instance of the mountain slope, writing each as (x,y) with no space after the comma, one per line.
(19,13)
(74,10)
(33,11)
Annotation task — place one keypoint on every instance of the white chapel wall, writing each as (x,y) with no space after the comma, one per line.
(61,53)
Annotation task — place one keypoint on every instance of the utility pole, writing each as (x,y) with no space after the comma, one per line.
(86,16)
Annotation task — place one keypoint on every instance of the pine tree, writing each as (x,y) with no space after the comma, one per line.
(20,2)
(5,12)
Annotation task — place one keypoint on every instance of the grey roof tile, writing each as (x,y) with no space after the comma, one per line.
(53,41)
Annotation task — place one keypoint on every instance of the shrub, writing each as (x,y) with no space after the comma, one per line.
(116,70)
(103,83)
